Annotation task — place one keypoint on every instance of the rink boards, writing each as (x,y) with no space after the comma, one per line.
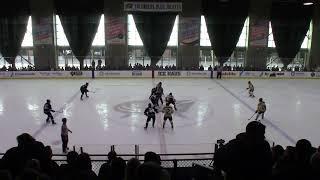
(157,74)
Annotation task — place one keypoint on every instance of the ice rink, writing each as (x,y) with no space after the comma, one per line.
(113,115)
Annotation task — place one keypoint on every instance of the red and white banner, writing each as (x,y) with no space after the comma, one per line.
(115,30)
(189,31)
(42,31)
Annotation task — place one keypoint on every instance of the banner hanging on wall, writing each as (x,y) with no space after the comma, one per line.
(189,31)
(259,33)
(153,6)
(115,30)
(42,31)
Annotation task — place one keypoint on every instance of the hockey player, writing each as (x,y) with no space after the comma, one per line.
(84,90)
(154,100)
(261,109)
(168,111)
(159,92)
(150,112)
(47,109)
(153,91)
(251,89)
(170,99)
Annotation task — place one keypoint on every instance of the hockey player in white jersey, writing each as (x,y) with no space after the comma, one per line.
(168,111)
(251,89)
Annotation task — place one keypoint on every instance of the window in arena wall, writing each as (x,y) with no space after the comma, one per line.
(136,50)
(301,58)
(207,57)
(65,55)
(25,56)
(97,51)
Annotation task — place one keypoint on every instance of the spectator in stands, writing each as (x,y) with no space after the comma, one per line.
(85,168)
(28,148)
(210,68)
(315,165)
(49,166)
(277,153)
(4,68)
(104,172)
(155,158)
(66,171)
(248,157)
(131,169)
(149,171)
(117,170)
(201,68)
(93,65)
(5,175)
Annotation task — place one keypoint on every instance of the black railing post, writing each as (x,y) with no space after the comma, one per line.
(81,149)
(74,148)
(175,167)
(136,151)
(112,148)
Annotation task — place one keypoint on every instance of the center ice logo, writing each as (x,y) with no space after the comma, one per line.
(132,113)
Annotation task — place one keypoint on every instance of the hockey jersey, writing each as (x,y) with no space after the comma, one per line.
(262,107)
(251,87)
(47,108)
(168,111)
(170,98)
(83,88)
(150,111)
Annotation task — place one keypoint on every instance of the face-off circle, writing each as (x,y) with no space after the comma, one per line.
(131,113)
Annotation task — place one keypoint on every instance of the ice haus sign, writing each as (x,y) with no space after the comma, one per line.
(153,6)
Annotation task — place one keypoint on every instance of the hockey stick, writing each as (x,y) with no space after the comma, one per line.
(252,116)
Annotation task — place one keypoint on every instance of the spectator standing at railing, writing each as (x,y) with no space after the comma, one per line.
(131,169)
(105,169)
(210,68)
(248,157)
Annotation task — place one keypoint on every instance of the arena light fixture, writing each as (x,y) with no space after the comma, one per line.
(308,3)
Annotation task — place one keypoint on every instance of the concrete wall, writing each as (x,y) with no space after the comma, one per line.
(257,52)
(43,30)
(116,49)
(314,61)
(189,54)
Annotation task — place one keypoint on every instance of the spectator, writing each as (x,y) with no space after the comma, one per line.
(155,158)
(49,166)
(66,171)
(131,169)
(84,168)
(118,167)
(149,171)
(104,172)
(277,153)
(248,157)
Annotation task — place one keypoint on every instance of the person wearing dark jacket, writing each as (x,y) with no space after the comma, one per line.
(248,157)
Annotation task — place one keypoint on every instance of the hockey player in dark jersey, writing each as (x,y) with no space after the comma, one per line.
(84,90)
(170,99)
(47,109)
(154,100)
(159,91)
(251,89)
(150,112)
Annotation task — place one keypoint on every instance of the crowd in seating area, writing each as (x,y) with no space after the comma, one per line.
(141,67)
(247,157)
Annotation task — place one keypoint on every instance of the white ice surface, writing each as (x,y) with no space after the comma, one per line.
(207,110)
